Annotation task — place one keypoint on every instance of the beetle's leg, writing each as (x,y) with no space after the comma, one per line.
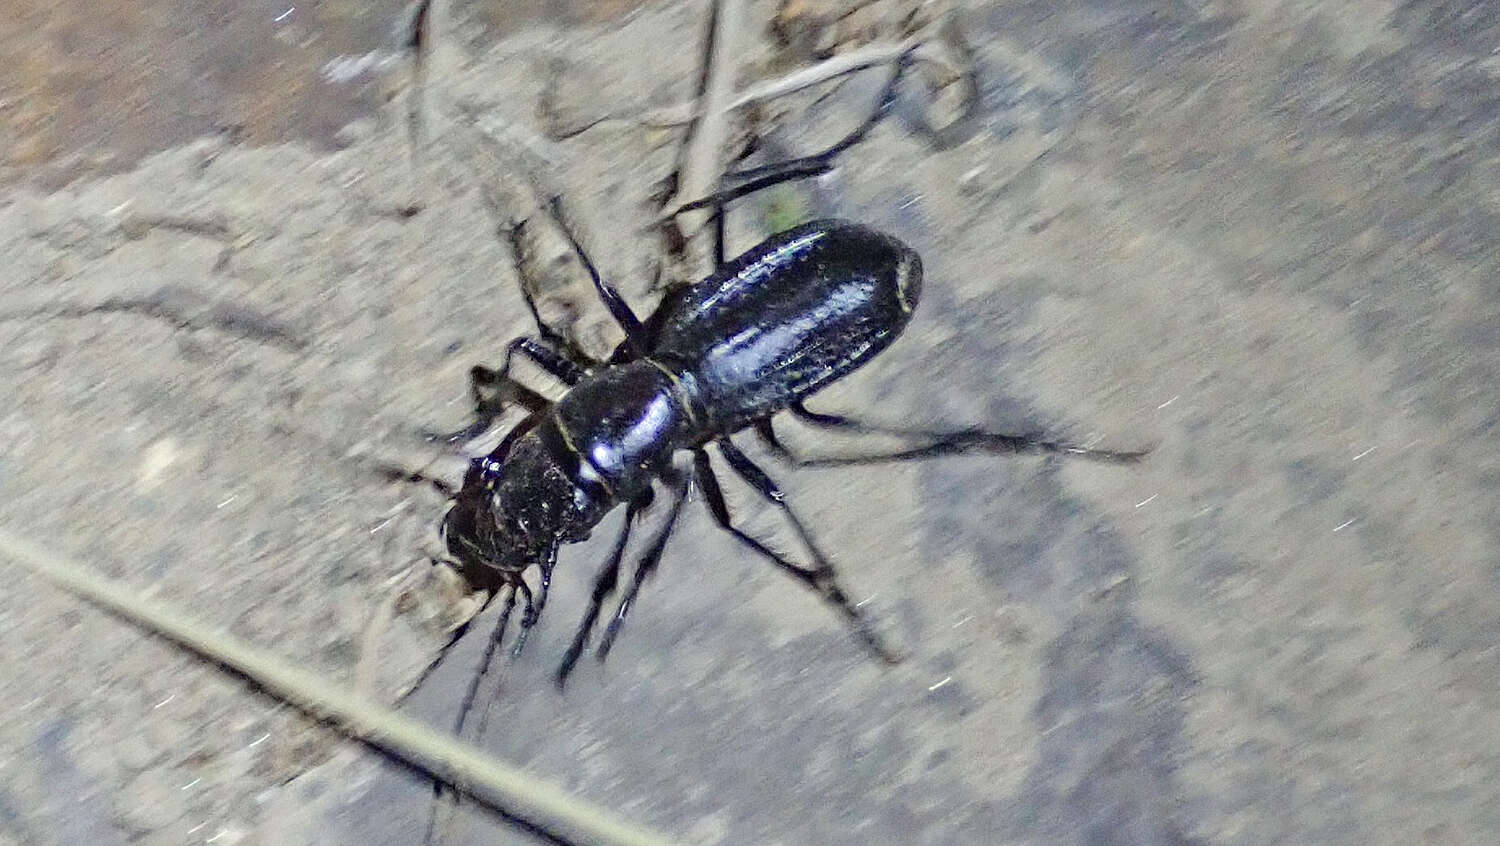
(750,180)
(545,566)
(635,334)
(558,341)
(653,322)
(458,634)
(822,577)
(545,356)
(490,648)
(718,220)
(604,585)
(647,565)
(540,352)
(471,693)
(529,616)
(492,389)
(534,611)
(938,443)
(532,614)
(402,474)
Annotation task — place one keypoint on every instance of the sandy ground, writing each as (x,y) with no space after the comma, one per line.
(1259,236)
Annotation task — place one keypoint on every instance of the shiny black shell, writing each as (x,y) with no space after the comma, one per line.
(792,314)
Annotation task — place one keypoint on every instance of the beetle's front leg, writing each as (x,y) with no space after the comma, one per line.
(534,609)
(605,582)
(494,390)
(648,562)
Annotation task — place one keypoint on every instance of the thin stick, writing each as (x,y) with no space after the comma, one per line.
(699,173)
(869,56)
(510,791)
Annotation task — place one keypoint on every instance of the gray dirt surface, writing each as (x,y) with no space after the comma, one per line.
(1258,236)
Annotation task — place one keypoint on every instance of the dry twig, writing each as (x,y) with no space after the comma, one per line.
(496,785)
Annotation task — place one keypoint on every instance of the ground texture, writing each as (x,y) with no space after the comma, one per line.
(1260,237)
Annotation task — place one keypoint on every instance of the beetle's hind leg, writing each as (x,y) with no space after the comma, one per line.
(822,578)
(932,444)
(750,180)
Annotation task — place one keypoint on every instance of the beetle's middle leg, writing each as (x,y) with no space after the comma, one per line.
(747,181)
(932,444)
(635,333)
(822,577)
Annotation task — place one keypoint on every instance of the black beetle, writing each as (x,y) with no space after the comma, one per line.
(755,338)
(768,329)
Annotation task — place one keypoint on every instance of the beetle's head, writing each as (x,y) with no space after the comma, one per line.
(488,552)
(513,511)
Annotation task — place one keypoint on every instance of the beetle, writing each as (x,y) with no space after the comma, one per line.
(755,338)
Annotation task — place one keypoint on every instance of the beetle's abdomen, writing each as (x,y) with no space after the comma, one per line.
(793,314)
